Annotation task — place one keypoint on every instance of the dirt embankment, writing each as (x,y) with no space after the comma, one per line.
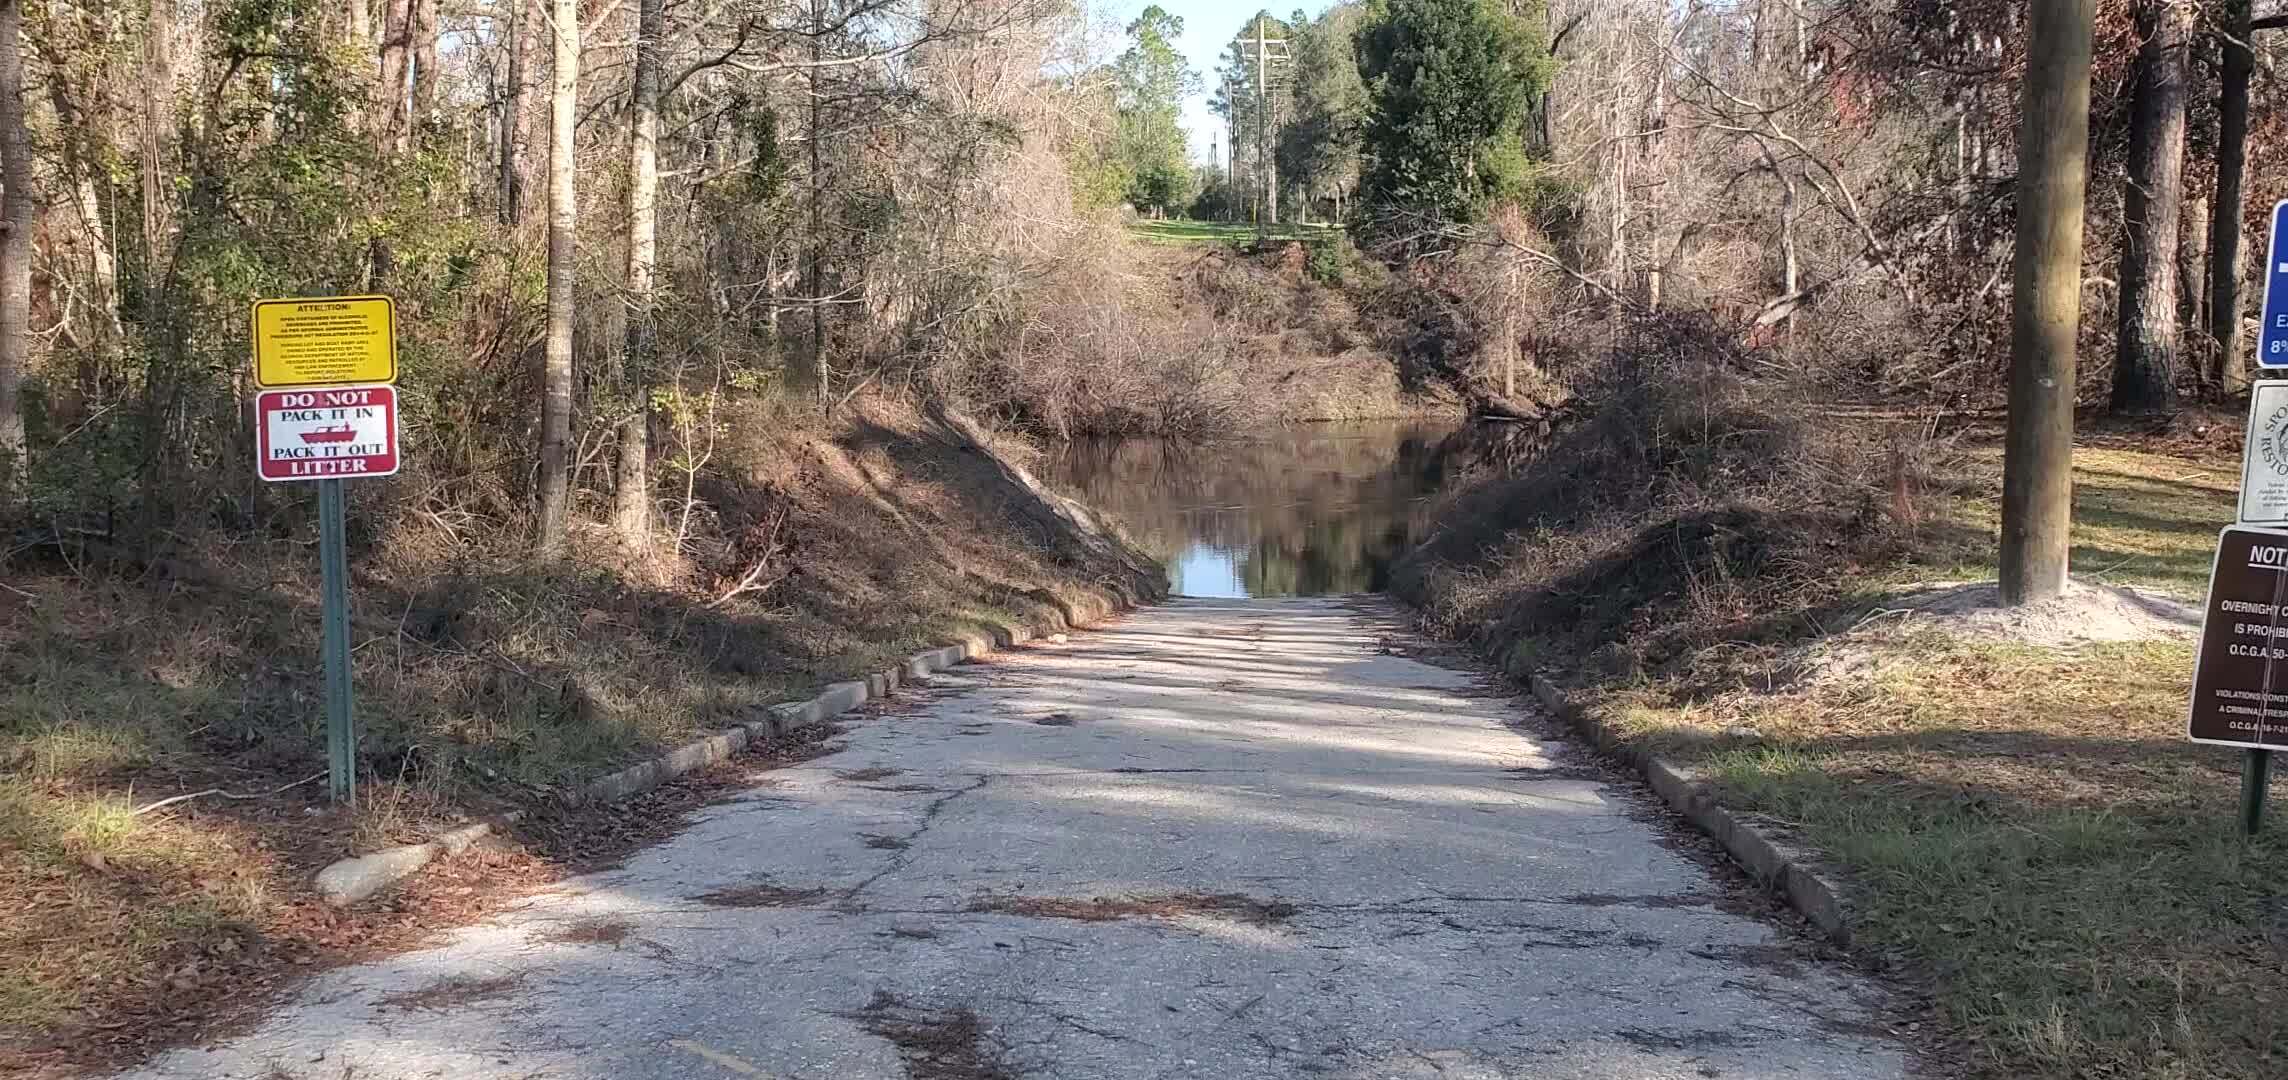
(1303,322)
(806,552)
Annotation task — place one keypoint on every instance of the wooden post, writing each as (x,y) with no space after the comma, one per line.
(2037,469)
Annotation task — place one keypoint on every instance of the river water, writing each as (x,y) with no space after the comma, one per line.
(1311,510)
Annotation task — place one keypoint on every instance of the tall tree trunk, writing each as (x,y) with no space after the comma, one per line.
(356,23)
(1790,267)
(163,336)
(1617,223)
(16,213)
(389,92)
(631,511)
(83,148)
(102,266)
(2224,214)
(817,208)
(563,220)
(423,46)
(1656,122)
(527,113)
(158,116)
(512,125)
(2192,271)
(2145,356)
(2053,177)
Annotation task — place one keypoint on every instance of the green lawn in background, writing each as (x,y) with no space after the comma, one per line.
(1175,231)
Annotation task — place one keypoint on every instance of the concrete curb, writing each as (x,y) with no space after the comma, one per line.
(348,881)
(351,880)
(1774,861)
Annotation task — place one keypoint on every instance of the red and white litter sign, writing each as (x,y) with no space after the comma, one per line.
(327,433)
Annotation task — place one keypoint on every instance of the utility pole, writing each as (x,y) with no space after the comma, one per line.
(1263,135)
(2037,457)
(1268,50)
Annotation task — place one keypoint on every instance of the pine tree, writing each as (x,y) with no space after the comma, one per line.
(1449,82)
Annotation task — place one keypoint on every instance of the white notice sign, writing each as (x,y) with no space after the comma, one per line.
(2264,459)
(327,432)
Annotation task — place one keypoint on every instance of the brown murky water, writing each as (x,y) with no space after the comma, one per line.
(1313,510)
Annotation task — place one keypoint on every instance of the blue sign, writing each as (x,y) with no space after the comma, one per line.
(2272,337)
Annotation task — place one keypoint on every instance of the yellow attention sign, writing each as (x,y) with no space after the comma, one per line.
(319,340)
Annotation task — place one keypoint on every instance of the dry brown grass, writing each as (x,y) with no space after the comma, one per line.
(483,683)
(1688,502)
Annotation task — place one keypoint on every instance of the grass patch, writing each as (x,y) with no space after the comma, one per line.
(2140,519)
(612,932)
(2027,826)
(1217,232)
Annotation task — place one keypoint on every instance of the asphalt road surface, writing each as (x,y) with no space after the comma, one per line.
(1225,839)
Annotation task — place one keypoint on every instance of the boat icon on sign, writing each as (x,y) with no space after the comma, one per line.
(341,434)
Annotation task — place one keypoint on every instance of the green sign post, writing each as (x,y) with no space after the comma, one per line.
(310,426)
(341,711)
(2255,780)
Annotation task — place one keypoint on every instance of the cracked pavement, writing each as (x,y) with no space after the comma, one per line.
(1464,896)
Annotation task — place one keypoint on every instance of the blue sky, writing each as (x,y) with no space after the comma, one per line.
(1209,26)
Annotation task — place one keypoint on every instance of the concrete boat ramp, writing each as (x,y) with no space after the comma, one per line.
(1240,840)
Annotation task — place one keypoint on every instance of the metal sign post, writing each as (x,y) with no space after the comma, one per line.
(309,426)
(341,714)
(2255,788)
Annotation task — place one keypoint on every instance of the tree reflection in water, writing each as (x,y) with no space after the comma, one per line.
(1313,510)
